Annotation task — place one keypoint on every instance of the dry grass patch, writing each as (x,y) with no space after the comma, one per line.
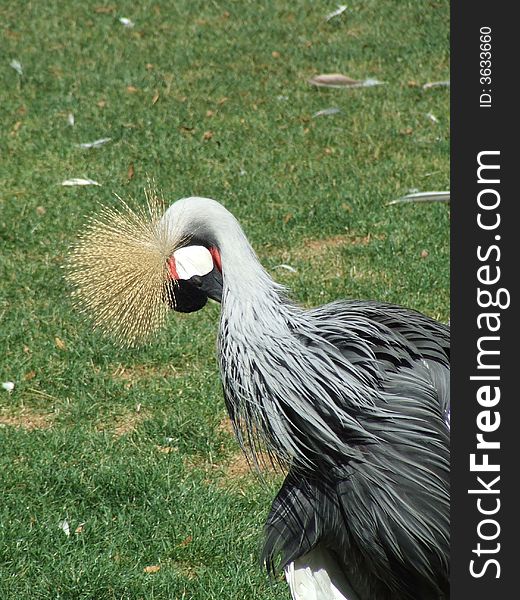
(226,426)
(182,569)
(186,569)
(131,376)
(235,471)
(324,258)
(325,246)
(339,241)
(135,373)
(124,424)
(128,424)
(27,419)
(238,468)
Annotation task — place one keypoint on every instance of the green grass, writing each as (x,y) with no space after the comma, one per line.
(73,444)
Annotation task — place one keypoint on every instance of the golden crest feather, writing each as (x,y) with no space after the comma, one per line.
(118,269)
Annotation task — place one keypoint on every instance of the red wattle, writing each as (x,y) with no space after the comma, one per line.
(216,257)
(172,268)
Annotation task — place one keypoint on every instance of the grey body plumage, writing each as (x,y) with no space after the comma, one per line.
(353,399)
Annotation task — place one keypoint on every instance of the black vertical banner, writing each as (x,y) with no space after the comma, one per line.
(485,258)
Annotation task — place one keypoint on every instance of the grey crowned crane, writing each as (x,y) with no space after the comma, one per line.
(351,397)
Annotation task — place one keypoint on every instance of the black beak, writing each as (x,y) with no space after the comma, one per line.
(211,284)
(190,295)
(183,296)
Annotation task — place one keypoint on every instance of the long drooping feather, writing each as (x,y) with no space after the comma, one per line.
(348,401)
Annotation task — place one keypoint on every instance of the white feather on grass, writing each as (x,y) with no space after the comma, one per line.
(433,84)
(95,143)
(17,66)
(422,197)
(339,81)
(126,22)
(65,527)
(336,13)
(78,181)
(327,112)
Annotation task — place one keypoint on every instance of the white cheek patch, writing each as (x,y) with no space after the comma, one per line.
(193,260)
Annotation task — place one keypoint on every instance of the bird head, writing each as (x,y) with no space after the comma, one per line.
(195,275)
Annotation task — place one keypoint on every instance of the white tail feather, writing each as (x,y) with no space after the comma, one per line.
(316,576)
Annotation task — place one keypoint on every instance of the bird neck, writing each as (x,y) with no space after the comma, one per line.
(245,279)
(254,306)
